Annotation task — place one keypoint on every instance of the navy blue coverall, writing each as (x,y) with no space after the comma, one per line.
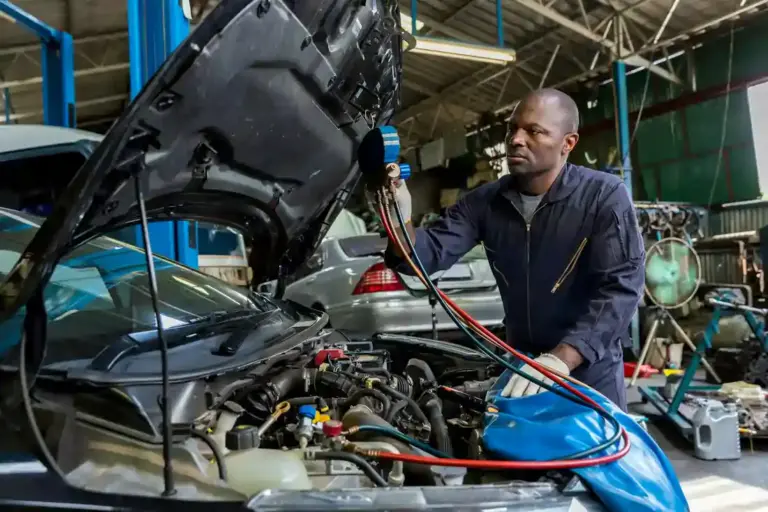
(574,274)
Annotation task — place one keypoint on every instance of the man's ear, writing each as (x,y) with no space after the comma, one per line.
(570,142)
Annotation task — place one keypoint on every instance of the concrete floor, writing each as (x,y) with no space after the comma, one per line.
(711,486)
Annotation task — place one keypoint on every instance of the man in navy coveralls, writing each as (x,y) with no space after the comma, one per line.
(563,242)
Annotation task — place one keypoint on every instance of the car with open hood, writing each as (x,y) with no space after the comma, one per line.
(254,123)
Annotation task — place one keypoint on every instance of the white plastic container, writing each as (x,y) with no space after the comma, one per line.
(252,471)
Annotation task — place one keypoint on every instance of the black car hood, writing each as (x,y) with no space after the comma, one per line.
(253,122)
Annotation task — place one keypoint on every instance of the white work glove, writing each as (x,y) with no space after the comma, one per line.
(403,198)
(519,386)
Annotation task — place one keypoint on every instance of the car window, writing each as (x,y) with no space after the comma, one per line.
(361,246)
(100,291)
(345,225)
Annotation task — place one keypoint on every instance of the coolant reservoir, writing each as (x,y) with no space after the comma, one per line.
(252,471)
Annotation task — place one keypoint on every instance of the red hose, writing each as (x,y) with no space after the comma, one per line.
(501,464)
(477,326)
(547,372)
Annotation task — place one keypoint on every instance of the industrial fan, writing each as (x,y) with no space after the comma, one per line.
(672,273)
(672,278)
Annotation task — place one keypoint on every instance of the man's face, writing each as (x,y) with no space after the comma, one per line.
(537,139)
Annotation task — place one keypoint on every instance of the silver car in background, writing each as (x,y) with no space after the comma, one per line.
(347,278)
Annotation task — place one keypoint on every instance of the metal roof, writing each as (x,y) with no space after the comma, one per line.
(557,42)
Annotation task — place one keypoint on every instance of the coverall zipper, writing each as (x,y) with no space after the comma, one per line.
(528,265)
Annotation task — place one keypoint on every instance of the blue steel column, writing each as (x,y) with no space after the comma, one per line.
(622,113)
(58,65)
(57,62)
(155,29)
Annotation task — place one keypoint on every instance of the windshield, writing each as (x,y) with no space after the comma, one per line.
(100,292)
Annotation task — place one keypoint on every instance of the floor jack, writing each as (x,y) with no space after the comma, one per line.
(712,426)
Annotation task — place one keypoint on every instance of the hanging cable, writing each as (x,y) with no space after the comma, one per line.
(166,419)
(466,322)
(724,125)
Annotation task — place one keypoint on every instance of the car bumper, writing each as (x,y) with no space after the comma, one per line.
(409,315)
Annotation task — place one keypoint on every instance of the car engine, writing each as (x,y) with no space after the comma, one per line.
(303,421)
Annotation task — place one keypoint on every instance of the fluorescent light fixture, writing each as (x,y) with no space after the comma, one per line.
(463,51)
(407,23)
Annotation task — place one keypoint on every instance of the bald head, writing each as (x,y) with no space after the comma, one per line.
(542,131)
(560,103)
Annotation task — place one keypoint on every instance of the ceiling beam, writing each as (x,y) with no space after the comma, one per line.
(79,105)
(487,73)
(80,73)
(682,37)
(110,36)
(583,31)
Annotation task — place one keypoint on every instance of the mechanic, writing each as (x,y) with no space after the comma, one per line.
(563,242)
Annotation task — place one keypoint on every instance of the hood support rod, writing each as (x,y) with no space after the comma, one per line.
(169,485)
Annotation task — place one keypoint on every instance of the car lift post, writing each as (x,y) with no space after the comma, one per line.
(155,29)
(58,66)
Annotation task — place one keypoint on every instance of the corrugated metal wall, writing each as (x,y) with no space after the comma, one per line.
(738,217)
(723,266)
(675,155)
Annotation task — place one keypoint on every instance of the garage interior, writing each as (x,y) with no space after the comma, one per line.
(673,98)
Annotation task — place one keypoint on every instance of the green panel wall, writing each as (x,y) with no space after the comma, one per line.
(674,155)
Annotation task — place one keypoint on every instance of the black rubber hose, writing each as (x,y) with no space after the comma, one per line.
(217,454)
(287,380)
(375,393)
(358,461)
(279,386)
(319,401)
(338,381)
(400,396)
(442,438)
(395,410)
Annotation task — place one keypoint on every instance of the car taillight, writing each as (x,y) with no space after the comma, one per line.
(378,278)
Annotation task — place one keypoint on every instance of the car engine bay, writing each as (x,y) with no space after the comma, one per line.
(301,421)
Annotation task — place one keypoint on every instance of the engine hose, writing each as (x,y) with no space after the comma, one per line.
(386,403)
(395,410)
(452,309)
(217,453)
(319,401)
(358,461)
(338,381)
(377,371)
(508,465)
(439,427)
(395,434)
(358,416)
(400,383)
(411,402)
(268,396)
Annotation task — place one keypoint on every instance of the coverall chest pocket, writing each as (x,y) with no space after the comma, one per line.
(622,241)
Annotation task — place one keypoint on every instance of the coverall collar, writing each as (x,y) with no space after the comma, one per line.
(564,185)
